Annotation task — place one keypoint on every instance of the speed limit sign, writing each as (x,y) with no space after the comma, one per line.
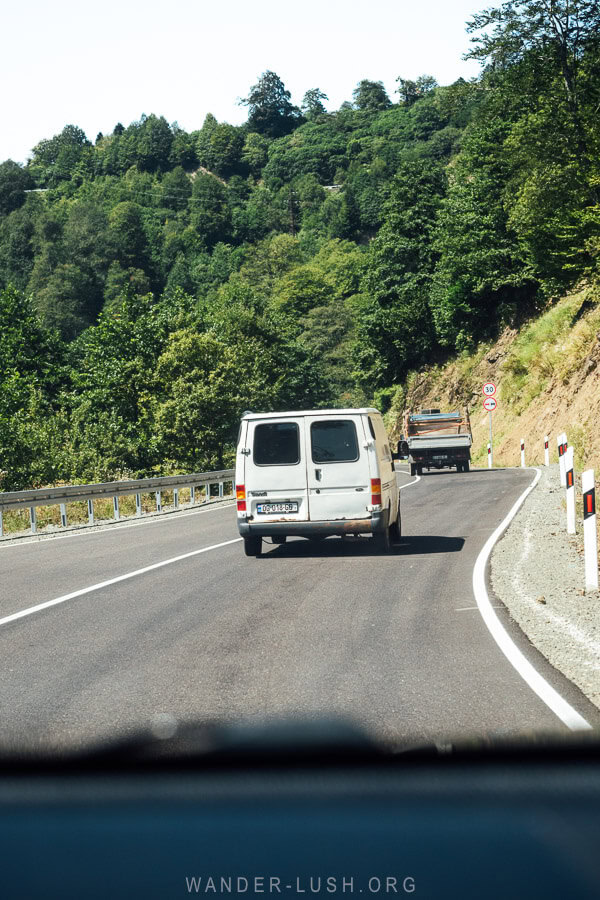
(489,389)
(490,404)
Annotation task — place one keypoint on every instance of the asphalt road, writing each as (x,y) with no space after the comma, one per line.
(395,641)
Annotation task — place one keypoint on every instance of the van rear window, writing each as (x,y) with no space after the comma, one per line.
(334,441)
(276,444)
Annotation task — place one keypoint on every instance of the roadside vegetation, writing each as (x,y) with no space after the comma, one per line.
(156,283)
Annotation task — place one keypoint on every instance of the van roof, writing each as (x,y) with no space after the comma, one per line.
(309,412)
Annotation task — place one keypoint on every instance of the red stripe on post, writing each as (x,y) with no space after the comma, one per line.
(570,478)
(589,504)
(545,445)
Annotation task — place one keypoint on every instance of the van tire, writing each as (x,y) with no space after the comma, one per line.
(413,469)
(466,466)
(279,538)
(382,541)
(396,527)
(253,546)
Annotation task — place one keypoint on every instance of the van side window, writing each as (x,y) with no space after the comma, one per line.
(276,444)
(371,429)
(333,441)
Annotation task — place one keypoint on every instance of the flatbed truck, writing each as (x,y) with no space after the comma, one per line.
(436,440)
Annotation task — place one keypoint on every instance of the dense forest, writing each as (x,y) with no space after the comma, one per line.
(156,283)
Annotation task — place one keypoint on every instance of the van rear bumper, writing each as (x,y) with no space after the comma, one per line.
(377,523)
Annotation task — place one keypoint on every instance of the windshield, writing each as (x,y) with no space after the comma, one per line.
(299,409)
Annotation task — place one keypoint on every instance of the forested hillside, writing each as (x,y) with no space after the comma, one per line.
(155,283)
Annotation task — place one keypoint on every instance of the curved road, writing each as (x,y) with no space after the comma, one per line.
(394,641)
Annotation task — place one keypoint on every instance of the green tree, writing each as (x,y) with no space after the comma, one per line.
(14,181)
(370,96)
(312,104)
(270,111)
(397,330)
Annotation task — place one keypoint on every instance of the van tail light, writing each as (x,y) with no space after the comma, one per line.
(240,493)
(375,491)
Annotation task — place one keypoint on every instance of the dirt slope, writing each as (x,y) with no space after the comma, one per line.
(547,377)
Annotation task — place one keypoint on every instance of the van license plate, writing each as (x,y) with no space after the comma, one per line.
(440,457)
(266,509)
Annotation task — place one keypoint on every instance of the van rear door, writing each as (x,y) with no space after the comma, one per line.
(338,467)
(275,470)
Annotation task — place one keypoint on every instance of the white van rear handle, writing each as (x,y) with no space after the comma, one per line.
(318,474)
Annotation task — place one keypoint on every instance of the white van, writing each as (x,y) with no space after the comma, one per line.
(315,473)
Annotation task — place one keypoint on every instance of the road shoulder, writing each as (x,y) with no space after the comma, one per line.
(537,572)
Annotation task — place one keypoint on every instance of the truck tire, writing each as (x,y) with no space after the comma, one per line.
(459,467)
(413,469)
(279,538)
(419,470)
(466,466)
(253,546)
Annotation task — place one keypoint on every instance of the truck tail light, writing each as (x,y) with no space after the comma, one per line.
(240,493)
(375,491)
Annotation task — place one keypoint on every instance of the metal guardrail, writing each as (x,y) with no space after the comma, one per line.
(60,496)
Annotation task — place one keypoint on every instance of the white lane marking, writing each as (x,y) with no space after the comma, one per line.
(559,706)
(467,608)
(108,527)
(102,584)
(417,478)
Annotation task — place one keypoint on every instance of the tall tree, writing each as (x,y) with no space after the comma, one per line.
(270,110)
(312,103)
(370,96)
(565,33)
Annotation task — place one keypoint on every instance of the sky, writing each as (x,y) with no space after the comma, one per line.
(93,65)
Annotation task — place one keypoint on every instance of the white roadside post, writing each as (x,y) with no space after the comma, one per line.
(570,479)
(490,403)
(90,512)
(63,515)
(522,453)
(590,540)
(561,458)
(546,451)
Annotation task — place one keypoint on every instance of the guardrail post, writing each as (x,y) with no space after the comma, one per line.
(1,525)
(206,492)
(63,515)
(90,512)
(546,451)
(220,490)
(590,539)
(522,453)
(192,495)
(158,502)
(175,498)
(138,504)
(561,458)
(570,478)
(116,507)
(33,519)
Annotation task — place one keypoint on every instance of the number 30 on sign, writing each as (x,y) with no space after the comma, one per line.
(489,389)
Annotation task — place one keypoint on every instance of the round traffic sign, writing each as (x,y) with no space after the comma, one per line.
(489,388)
(490,403)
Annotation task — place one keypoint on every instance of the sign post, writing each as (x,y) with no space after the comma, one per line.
(570,479)
(560,439)
(588,490)
(490,403)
